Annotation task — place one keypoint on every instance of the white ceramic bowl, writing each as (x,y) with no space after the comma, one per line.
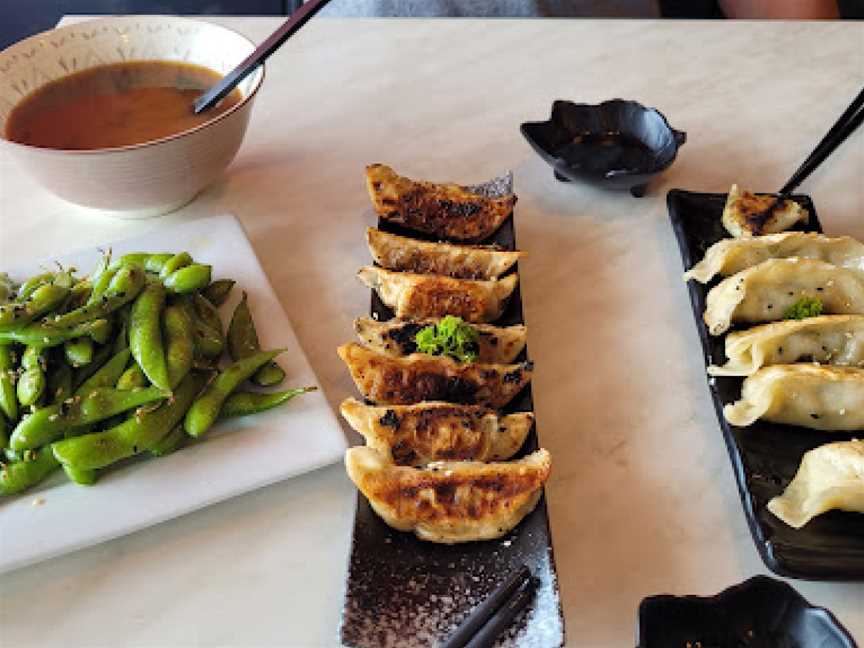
(144,179)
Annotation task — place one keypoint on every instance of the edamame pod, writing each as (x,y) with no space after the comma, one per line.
(47,335)
(209,341)
(135,435)
(188,279)
(49,423)
(217,292)
(31,385)
(246,403)
(20,475)
(44,299)
(78,352)
(100,278)
(243,342)
(123,288)
(132,378)
(155,262)
(179,343)
(33,358)
(8,397)
(205,410)
(82,477)
(171,442)
(29,286)
(107,375)
(179,260)
(100,357)
(145,335)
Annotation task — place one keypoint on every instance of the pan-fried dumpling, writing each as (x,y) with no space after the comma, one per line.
(812,396)
(450,502)
(416,296)
(461,261)
(420,377)
(829,477)
(765,292)
(444,210)
(745,214)
(415,435)
(495,344)
(729,256)
(829,339)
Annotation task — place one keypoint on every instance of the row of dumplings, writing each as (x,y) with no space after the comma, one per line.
(803,364)
(437,447)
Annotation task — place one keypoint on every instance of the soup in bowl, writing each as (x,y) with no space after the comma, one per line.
(100,112)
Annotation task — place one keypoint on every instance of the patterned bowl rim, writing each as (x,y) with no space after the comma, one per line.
(39,39)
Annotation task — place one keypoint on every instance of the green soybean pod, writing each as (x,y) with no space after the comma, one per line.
(101,355)
(132,378)
(21,475)
(107,375)
(243,342)
(136,434)
(246,403)
(179,260)
(179,342)
(209,339)
(47,335)
(44,299)
(49,423)
(145,334)
(82,477)
(79,352)
(8,397)
(33,358)
(171,442)
(124,286)
(188,279)
(30,286)
(155,262)
(99,282)
(217,292)
(205,410)
(31,385)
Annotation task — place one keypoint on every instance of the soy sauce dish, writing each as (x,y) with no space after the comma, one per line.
(100,113)
(617,144)
(761,612)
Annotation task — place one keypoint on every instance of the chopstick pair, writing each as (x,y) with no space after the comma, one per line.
(845,125)
(482,626)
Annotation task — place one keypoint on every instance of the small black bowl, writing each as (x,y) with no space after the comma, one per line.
(761,612)
(617,144)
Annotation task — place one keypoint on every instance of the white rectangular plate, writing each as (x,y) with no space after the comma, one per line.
(239,455)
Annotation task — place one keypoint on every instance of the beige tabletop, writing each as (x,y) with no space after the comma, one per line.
(642,497)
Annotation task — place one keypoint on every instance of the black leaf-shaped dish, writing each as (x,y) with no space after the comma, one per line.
(617,144)
(761,612)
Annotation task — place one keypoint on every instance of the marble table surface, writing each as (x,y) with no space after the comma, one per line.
(642,497)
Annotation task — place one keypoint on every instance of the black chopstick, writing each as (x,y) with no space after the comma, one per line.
(848,122)
(256,58)
(486,621)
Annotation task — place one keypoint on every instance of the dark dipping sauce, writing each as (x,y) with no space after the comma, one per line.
(603,153)
(115,105)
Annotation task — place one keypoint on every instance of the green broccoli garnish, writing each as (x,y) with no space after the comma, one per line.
(451,337)
(803,308)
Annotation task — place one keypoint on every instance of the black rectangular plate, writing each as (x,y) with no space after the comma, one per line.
(405,592)
(765,456)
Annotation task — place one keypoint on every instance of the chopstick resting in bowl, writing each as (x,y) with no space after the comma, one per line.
(482,626)
(290,27)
